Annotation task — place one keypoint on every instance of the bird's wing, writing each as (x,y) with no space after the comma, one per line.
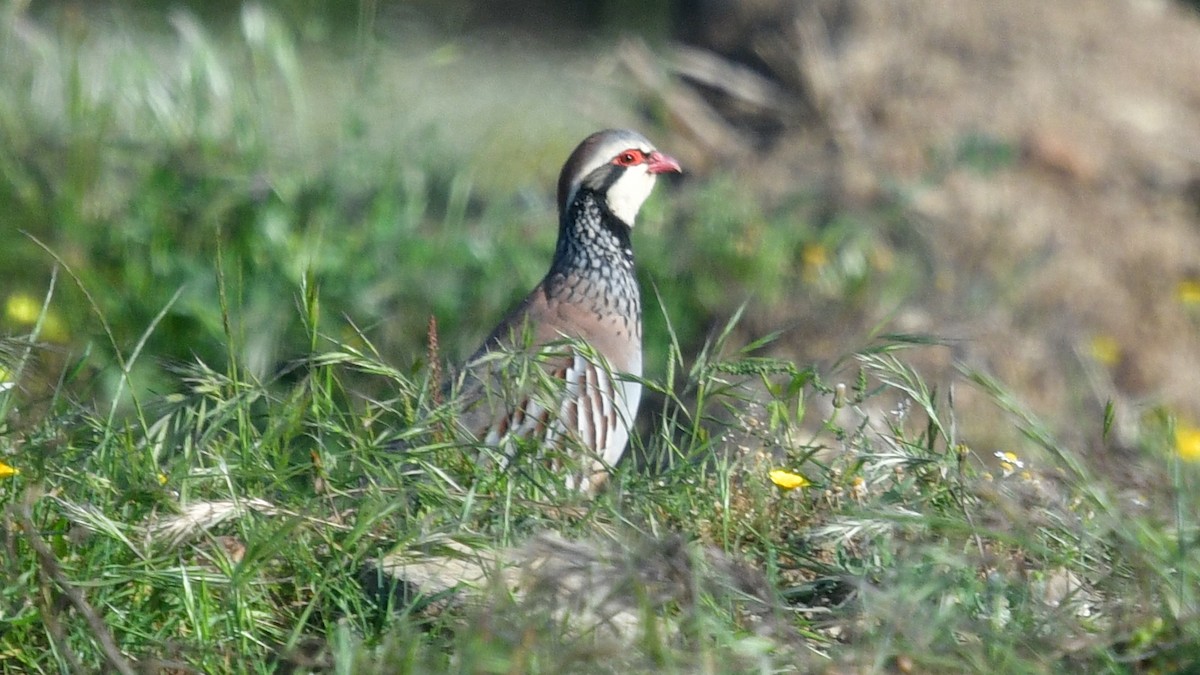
(563,396)
(537,377)
(592,415)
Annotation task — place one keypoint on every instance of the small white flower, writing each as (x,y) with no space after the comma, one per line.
(1009,462)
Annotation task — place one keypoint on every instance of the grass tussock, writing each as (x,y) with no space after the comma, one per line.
(793,519)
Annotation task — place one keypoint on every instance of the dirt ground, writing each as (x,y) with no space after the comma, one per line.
(1071,271)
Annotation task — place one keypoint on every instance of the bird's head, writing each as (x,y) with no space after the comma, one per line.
(619,166)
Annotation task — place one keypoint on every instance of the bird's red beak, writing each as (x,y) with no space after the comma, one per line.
(660,163)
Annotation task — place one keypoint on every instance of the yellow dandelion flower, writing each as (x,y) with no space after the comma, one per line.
(162,478)
(814,256)
(1188,291)
(1105,350)
(22,309)
(786,480)
(7,471)
(1187,442)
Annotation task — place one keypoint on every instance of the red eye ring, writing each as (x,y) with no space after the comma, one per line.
(629,158)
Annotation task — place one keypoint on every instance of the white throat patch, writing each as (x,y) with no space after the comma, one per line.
(626,196)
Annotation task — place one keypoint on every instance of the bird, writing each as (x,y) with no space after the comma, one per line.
(582,324)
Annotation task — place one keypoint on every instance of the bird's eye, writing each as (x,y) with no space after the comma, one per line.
(629,158)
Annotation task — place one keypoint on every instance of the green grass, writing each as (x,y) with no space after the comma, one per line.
(216,302)
(291,492)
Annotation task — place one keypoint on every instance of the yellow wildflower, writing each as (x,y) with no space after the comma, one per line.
(786,480)
(22,309)
(814,256)
(7,471)
(1106,350)
(1009,462)
(858,488)
(1187,442)
(1188,291)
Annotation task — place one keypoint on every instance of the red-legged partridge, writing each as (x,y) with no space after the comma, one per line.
(583,321)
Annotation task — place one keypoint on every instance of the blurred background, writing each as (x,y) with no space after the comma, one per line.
(1020,179)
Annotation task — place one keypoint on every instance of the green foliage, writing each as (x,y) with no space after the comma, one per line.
(144,199)
(230,523)
(214,155)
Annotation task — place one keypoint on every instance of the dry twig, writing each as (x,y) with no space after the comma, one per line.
(51,569)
